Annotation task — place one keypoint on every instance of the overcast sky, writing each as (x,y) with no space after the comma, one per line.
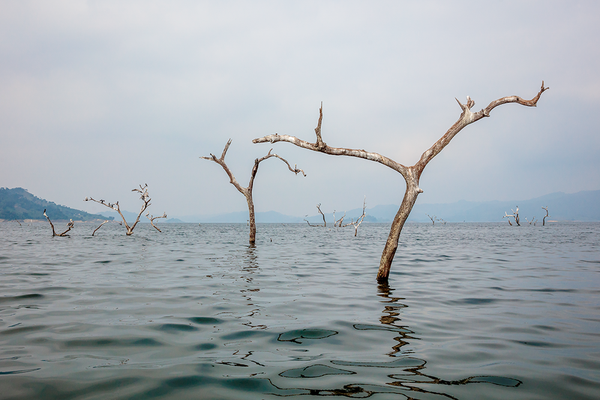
(97,97)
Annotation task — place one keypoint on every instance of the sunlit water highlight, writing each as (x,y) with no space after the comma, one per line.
(472,311)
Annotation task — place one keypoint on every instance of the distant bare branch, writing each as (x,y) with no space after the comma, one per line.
(144,196)
(545,216)
(100,226)
(70,226)
(152,218)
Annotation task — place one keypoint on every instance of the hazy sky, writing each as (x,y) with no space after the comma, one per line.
(97,97)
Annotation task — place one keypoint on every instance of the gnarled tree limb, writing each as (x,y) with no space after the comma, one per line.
(152,218)
(247,191)
(411,174)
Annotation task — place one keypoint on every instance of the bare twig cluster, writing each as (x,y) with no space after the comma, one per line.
(144,196)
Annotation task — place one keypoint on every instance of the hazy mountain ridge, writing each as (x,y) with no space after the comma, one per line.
(19,204)
(580,206)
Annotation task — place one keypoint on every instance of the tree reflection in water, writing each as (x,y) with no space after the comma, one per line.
(408,383)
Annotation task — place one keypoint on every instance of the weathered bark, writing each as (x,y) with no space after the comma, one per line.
(152,218)
(70,226)
(247,191)
(411,174)
(545,216)
(144,196)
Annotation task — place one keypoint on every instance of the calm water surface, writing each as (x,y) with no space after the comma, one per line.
(472,311)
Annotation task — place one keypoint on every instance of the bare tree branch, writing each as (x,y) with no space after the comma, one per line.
(144,196)
(545,216)
(324,221)
(247,191)
(100,226)
(361,218)
(152,218)
(70,226)
(411,174)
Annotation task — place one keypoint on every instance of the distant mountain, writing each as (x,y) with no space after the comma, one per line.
(18,203)
(580,206)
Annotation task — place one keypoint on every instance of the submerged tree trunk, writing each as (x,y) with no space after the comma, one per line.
(247,191)
(545,216)
(411,174)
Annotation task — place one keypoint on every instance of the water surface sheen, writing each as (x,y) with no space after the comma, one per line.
(472,311)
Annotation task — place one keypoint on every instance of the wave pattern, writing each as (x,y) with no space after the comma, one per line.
(471,311)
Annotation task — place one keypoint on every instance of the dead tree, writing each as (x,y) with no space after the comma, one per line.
(99,226)
(324,221)
(514,215)
(545,216)
(359,220)
(411,174)
(338,222)
(144,196)
(432,219)
(152,218)
(70,226)
(247,191)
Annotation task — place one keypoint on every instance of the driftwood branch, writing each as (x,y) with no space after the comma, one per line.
(247,191)
(70,226)
(152,218)
(144,196)
(432,219)
(411,174)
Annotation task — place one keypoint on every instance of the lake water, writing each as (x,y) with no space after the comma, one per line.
(472,311)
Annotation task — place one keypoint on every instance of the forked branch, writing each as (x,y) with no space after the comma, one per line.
(152,218)
(70,226)
(411,174)
(247,191)
(144,196)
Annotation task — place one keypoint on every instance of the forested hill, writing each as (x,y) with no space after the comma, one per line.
(19,204)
